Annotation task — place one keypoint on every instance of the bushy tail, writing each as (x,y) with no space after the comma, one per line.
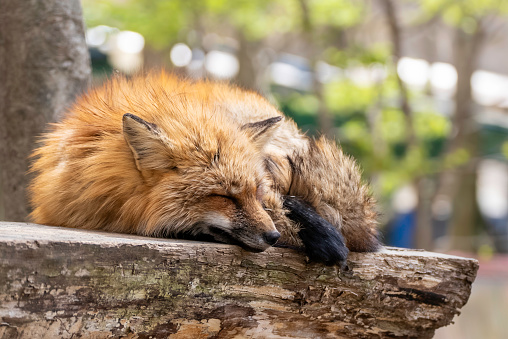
(330,182)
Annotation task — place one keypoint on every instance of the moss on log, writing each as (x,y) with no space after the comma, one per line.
(57,282)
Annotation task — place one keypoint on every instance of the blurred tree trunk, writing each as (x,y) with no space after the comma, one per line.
(459,184)
(325,119)
(44,65)
(423,231)
(247,74)
(466,213)
(395,36)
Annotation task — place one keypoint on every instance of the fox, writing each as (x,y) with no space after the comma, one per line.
(163,156)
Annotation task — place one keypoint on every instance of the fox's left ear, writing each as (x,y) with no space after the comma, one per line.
(150,147)
(262,131)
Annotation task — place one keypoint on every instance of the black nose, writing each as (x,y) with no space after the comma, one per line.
(271,237)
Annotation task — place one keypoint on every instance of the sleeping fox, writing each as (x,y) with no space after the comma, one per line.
(162,156)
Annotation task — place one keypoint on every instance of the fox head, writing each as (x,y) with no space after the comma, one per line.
(202,179)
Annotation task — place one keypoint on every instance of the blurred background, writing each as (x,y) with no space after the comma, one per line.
(417,91)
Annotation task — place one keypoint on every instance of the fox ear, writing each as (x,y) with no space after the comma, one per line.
(262,131)
(150,147)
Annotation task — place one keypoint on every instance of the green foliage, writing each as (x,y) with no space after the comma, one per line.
(303,104)
(504,149)
(345,97)
(355,131)
(431,125)
(162,22)
(339,13)
(258,19)
(159,21)
(392,126)
(378,53)
(374,129)
(165,21)
(463,13)
(366,114)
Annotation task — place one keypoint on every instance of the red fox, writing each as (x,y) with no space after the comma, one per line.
(162,156)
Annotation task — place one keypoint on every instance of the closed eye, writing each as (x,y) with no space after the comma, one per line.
(223,196)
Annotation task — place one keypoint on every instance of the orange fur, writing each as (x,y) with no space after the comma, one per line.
(190,154)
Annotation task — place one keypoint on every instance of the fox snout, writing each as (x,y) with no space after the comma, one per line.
(251,228)
(260,230)
(255,239)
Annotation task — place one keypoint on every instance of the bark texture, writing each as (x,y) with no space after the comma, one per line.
(44,65)
(57,282)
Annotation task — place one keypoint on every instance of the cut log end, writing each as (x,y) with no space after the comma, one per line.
(66,282)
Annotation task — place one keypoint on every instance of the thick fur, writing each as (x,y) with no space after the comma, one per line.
(157,155)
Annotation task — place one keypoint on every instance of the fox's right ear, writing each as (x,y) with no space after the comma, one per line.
(150,147)
(261,131)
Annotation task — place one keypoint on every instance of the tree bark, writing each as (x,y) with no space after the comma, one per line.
(62,283)
(44,65)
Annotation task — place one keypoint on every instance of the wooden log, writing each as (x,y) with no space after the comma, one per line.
(62,283)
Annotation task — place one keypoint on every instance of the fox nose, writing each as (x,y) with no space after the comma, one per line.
(271,237)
